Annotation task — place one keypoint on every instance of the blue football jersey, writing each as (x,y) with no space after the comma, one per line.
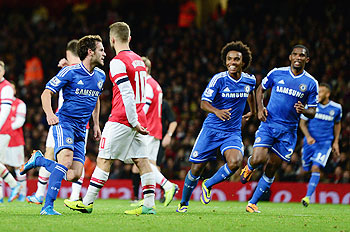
(321,127)
(288,89)
(81,90)
(224,92)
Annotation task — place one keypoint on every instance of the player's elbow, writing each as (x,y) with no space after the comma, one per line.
(204,105)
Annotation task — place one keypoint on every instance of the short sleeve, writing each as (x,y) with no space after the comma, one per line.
(268,81)
(339,114)
(313,95)
(60,80)
(212,88)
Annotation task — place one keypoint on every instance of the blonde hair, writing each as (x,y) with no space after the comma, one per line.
(120,31)
(147,63)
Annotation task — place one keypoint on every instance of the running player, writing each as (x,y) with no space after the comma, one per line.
(321,136)
(82,84)
(292,88)
(6,101)
(123,134)
(224,98)
(72,58)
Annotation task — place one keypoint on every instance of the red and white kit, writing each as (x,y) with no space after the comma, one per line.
(15,151)
(153,110)
(119,139)
(6,100)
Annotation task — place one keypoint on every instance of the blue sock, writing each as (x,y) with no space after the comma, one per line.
(315,178)
(248,163)
(222,174)
(43,162)
(55,180)
(264,183)
(191,182)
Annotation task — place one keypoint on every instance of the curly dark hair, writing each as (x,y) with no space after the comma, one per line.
(86,43)
(239,47)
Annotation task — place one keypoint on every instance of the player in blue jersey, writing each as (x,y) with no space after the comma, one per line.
(291,89)
(224,98)
(321,137)
(81,85)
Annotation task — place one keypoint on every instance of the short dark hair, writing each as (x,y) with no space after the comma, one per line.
(326,86)
(239,47)
(72,46)
(301,46)
(86,43)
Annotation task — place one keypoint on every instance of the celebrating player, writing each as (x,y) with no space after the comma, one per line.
(82,85)
(153,111)
(72,58)
(321,136)
(224,98)
(6,101)
(123,135)
(292,88)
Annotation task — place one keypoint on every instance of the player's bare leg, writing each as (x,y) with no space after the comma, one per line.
(233,159)
(260,156)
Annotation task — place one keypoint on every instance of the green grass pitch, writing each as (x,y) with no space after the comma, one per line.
(216,216)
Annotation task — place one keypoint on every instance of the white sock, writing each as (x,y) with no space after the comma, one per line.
(76,187)
(7,176)
(160,179)
(148,183)
(42,182)
(98,179)
(1,189)
(22,179)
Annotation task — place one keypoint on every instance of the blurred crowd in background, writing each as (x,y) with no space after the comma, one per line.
(184,57)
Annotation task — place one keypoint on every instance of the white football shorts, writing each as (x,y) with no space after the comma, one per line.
(121,142)
(152,147)
(4,142)
(14,156)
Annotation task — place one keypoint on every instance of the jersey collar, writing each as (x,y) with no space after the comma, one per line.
(324,106)
(90,74)
(233,78)
(292,74)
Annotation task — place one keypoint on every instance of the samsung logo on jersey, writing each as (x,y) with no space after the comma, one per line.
(289,91)
(324,117)
(234,95)
(88,92)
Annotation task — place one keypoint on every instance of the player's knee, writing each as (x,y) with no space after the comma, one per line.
(234,163)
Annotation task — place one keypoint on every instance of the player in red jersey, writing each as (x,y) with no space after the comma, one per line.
(14,155)
(153,111)
(123,135)
(6,101)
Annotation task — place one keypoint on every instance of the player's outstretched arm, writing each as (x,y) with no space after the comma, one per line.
(223,114)
(335,146)
(303,127)
(309,112)
(262,111)
(252,106)
(46,96)
(96,120)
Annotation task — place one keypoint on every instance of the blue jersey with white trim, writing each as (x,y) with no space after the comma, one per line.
(321,127)
(81,90)
(224,92)
(288,89)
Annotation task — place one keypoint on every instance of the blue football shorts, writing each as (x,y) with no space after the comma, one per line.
(316,154)
(281,142)
(69,135)
(209,140)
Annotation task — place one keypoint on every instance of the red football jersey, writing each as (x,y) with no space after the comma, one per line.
(6,97)
(154,97)
(18,110)
(128,75)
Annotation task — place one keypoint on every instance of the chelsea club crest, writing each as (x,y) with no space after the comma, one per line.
(302,87)
(100,84)
(247,88)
